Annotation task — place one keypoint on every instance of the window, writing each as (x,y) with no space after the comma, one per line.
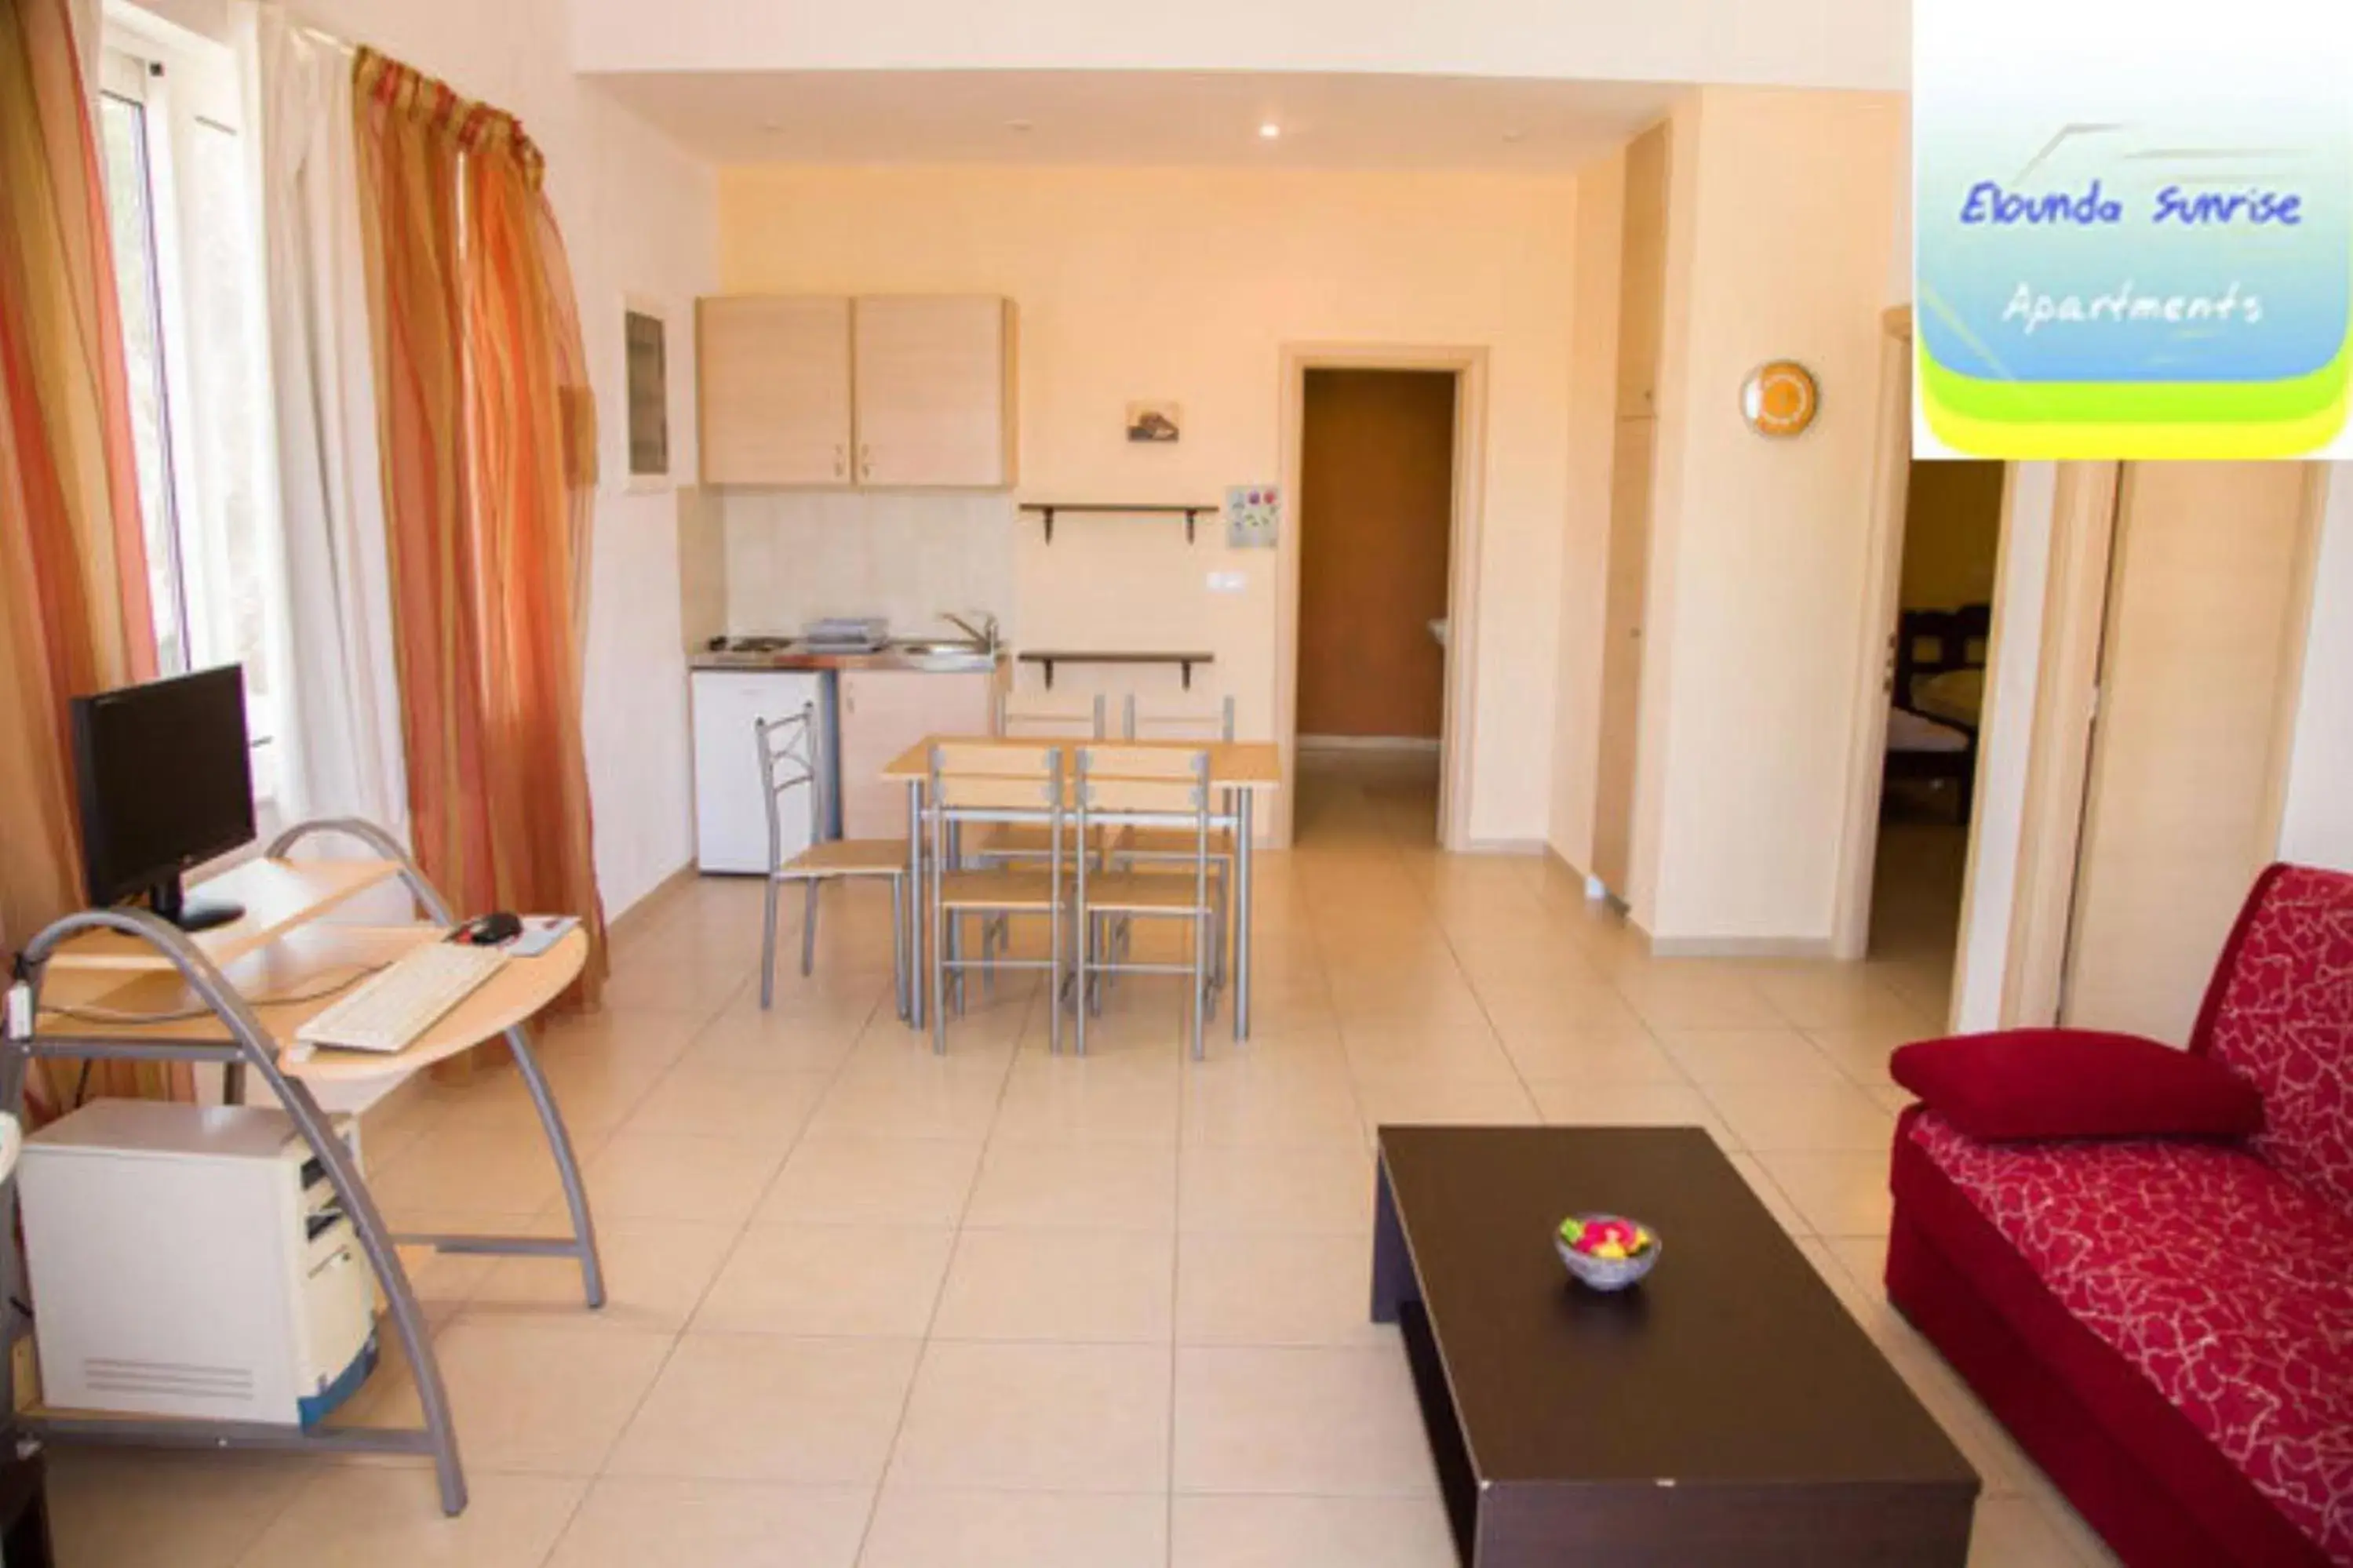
(187,268)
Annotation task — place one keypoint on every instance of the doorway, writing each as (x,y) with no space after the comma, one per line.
(1376,492)
(1937,650)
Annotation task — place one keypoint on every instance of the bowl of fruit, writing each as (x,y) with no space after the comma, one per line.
(1606,1251)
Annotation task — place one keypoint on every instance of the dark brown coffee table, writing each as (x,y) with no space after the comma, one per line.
(1725,1411)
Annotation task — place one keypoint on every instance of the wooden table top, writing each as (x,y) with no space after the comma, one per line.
(1254,765)
(301,960)
(1731,1363)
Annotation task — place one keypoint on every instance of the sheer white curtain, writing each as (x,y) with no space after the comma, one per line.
(342,724)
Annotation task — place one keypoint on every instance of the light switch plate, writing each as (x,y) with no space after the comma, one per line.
(1228,581)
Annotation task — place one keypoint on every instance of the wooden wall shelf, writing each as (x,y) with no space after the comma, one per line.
(1047,508)
(1048,659)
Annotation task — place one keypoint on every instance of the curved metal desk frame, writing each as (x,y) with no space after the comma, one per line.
(251,1046)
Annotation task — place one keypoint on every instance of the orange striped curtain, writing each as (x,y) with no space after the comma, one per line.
(487,438)
(74,613)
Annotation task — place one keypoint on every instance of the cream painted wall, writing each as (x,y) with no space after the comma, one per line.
(1798,43)
(1594,267)
(639,217)
(1186,285)
(1787,201)
(2317,828)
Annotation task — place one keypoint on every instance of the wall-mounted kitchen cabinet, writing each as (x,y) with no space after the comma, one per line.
(775,389)
(892,392)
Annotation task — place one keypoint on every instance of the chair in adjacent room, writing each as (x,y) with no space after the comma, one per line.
(792,758)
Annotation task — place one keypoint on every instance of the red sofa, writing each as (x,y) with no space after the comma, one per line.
(2194,1401)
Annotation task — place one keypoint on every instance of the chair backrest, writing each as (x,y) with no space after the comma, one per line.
(2279,1011)
(972,778)
(1145,782)
(1169,723)
(789,750)
(1037,716)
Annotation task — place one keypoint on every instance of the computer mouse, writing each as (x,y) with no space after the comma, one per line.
(488,931)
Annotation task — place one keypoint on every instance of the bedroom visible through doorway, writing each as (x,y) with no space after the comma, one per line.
(1375,511)
(1951,544)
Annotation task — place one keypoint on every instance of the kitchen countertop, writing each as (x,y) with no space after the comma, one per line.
(926,658)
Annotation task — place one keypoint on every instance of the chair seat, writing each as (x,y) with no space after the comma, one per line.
(1139,893)
(998,890)
(1172,843)
(848,858)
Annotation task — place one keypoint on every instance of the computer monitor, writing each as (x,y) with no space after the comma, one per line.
(166,784)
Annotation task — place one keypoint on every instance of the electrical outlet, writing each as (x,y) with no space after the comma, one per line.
(1229,582)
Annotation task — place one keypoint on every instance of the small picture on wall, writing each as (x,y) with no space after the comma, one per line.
(1158,421)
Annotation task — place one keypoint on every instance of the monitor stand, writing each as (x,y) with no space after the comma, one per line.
(170,900)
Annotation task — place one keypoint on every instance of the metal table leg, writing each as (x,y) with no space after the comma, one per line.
(1245,852)
(567,1167)
(913,912)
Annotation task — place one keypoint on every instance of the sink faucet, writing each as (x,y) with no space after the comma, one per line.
(984,634)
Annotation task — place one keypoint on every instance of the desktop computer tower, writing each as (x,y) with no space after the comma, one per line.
(193,1261)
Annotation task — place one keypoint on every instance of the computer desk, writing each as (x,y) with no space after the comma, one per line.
(128,961)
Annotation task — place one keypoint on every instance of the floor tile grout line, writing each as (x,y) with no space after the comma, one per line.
(923,1343)
(678,1337)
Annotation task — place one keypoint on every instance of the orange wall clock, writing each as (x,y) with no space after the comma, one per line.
(1780,398)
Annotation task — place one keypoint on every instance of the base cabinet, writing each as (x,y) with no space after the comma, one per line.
(884,713)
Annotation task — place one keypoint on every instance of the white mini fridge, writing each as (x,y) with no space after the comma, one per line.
(731,823)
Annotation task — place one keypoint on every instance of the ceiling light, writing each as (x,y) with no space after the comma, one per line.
(1269,131)
(1016,125)
(1515,135)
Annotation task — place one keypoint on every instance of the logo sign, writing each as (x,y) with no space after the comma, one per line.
(2132,229)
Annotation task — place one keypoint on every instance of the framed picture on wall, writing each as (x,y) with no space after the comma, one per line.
(1157,421)
(645,337)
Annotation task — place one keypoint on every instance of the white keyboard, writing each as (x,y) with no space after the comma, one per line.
(396,1006)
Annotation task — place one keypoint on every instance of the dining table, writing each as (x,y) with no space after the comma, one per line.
(1239,772)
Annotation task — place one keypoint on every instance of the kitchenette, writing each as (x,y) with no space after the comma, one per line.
(857,458)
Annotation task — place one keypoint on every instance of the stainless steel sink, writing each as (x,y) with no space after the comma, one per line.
(937,647)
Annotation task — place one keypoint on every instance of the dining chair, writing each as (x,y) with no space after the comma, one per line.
(1187,722)
(792,758)
(1167,790)
(1144,848)
(1034,717)
(993,785)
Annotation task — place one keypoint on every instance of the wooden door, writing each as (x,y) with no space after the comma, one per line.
(934,391)
(774,373)
(2201,659)
(1624,596)
(884,713)
(1376,514)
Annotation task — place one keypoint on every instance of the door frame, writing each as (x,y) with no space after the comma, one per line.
(1875,661)
(1469,367)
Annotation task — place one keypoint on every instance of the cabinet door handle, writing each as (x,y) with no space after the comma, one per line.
(865,461)
(840,461)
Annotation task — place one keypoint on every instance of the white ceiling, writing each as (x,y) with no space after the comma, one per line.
(1166,118)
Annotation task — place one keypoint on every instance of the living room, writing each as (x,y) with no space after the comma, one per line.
(821,1236)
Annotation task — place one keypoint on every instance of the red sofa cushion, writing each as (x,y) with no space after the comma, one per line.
(2229,1287)
(2280,1013)
(2076,1083)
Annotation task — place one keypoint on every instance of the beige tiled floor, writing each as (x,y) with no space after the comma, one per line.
(870,1306)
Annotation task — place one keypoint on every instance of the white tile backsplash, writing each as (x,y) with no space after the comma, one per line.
(793,557)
